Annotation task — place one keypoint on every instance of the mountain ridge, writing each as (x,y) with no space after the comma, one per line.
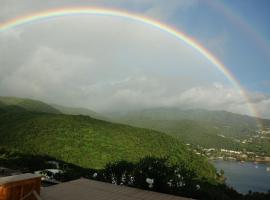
(27,104)
(208,129)
(78,111)
(90,142)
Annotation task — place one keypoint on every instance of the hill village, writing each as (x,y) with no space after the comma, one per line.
(244,155)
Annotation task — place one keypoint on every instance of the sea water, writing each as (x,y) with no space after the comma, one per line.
(246,176)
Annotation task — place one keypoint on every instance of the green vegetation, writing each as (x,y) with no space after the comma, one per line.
(78,111)
(26,104)
(208,129)
(222,122)
(33,132)
(91,143)
(167,178)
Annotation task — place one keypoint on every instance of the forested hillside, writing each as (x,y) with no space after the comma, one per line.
(78,111)
(89,142)
(209,129)
(26,104)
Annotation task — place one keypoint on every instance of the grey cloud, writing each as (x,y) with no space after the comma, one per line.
(97,61)
(220,97)
(159,9)
(108,63)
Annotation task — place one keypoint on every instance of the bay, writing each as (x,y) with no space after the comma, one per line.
(246,176)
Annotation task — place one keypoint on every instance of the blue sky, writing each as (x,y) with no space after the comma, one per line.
(241,53)
(234,45)
(124,64)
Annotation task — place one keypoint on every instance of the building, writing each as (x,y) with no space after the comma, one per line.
(82,189)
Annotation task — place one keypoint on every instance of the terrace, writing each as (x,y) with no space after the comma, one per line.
(27,187)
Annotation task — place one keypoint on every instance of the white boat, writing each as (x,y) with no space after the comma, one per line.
(268,169)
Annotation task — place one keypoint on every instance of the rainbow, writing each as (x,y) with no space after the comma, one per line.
(52,14)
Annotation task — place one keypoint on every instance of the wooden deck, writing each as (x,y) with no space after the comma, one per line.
(18,186)
(84,189)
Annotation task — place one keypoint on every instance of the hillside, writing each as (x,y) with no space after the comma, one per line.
(218,129)
(27,104)
(89,142)
(230,124)
(78,111)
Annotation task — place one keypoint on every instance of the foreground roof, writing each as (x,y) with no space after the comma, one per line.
(85,189)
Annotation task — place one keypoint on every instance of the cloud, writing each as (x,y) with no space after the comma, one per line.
(261,103)
(220,97)
(144,92)
(48,73)
(108,64)
(159,9)
(97,59)
(215,97)
(212,97)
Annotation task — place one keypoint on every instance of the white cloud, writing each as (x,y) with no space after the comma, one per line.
(64,61)
(159,9)
(107,63)
(220,97)
(263,107)
(48,73)
(146,93)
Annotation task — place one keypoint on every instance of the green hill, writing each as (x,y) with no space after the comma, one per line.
(78,111)
(229,124)
(219,129)
(89,142)
(27,104)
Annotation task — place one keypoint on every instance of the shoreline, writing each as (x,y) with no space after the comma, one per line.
(242,161)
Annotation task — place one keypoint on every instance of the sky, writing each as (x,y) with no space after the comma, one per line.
(111,64)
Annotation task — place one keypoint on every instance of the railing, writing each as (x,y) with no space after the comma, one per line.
(18,187)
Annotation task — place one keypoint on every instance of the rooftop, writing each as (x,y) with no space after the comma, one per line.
(17,178)
(85,189)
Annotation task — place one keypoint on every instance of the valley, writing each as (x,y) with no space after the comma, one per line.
(98,146)
(214,134)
